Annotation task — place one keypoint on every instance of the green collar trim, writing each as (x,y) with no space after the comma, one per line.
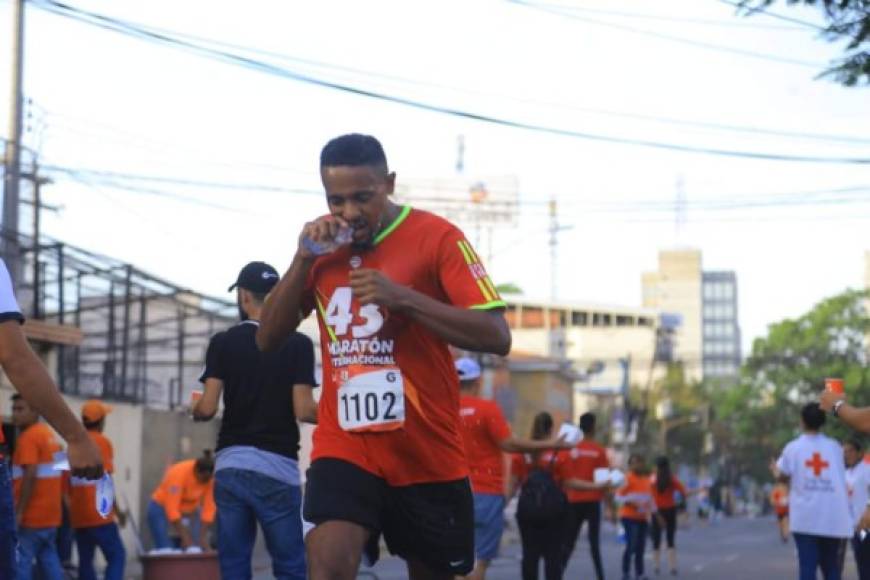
(396,223)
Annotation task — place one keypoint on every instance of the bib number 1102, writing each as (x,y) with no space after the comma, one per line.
(372,401)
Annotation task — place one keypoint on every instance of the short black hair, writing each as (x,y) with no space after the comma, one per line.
(813,416)
(354,150)
(856,442)
(587,423)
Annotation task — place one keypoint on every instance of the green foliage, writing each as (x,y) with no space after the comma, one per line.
(847,20)
(508,288)
(787,369)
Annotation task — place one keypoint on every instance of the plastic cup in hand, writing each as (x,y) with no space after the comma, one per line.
(342,238)
(835,386)
(195,396)
(105,496)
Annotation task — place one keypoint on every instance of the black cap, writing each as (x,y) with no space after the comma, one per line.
(257,277)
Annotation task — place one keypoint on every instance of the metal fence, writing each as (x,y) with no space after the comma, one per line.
(144,338)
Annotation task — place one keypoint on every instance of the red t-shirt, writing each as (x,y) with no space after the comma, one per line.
(667,498)
(581,463)
(378,365)
(483,428)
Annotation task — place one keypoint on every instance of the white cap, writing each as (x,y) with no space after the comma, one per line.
(467,369)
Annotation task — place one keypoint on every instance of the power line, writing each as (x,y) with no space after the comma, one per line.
(658,17)
(536,102)
(181,181)
(670,38)
(268,68)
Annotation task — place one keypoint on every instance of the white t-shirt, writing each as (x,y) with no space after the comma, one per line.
(9,309)
(857,485)
(818,501)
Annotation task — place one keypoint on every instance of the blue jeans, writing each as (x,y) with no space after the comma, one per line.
(108,539)
(244,498)
(158,523)
(8,538)
(635,545)
(41,544)
(818,552)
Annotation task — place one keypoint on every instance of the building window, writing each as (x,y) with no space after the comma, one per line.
(579,319)
(533,317)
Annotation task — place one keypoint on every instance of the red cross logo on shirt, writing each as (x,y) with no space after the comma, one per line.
(817,464)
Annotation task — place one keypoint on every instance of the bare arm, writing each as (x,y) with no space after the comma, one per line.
(30,378)
(514,445)
(584,485)
(28,481)
(183,533)
(856,418)
(282,311)
(207,405)
(304,405)
(469,329)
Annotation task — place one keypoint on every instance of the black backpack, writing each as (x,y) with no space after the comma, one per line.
(541,499)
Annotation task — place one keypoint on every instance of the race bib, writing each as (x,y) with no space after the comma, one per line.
(372,400)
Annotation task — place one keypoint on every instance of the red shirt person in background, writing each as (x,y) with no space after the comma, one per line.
(487,436)
(584,495)
(668,493)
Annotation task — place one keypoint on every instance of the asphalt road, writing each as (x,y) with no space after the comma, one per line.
(731,549)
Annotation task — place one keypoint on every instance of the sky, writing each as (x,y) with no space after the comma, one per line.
(794,232)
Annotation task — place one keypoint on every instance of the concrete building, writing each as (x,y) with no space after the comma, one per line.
(707,339)
(721,359)
(593,338)
(676,288)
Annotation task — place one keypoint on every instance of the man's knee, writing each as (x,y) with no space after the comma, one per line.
(334,550)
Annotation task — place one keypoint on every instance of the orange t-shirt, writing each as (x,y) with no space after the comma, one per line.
(38,446)
(637,497)
(180,493)
(483,428)
(667,499)
(364,347)
(82,492)
(581,463)
(779,499)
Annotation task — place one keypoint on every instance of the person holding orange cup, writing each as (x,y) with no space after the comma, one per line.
(833,400)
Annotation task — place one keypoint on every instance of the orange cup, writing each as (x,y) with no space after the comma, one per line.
(835,386)
(194,397)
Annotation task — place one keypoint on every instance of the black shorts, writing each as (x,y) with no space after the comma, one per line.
(432,523)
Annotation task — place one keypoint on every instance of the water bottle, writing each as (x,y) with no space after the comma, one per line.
(342,238)
(105,496)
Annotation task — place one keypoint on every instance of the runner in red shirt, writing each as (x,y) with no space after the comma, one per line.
(392,288)
(584,495)
(487,437)
(669,493)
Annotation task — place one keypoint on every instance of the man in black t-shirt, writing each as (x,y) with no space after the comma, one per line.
(257,471)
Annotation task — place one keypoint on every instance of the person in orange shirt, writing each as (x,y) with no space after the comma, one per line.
(91,529)
(487,436)
(669,492)
(637,504)
(37,489)
(779,501)
(188,486)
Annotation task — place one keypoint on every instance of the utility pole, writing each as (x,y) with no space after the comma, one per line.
(38,206)
(11,249)
(554,230)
